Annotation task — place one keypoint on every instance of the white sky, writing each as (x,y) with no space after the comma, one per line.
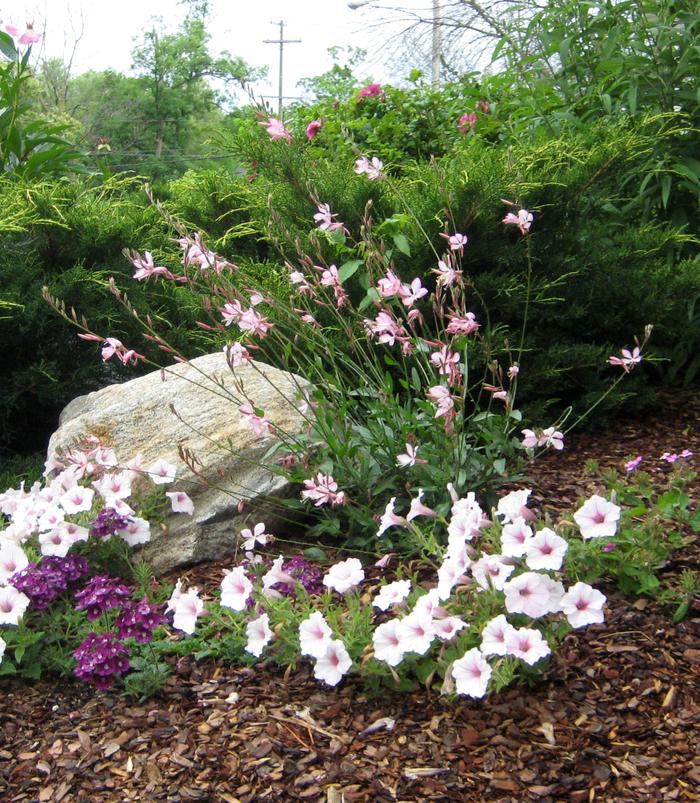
(111,27)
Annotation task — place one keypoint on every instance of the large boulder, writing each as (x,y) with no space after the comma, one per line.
(195,406)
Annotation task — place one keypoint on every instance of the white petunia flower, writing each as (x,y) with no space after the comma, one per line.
(333,664)
(471,673)
(314,635)
(597,518)
(259,634)
(235,589)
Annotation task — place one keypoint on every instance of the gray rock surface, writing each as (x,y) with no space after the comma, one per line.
(137,416)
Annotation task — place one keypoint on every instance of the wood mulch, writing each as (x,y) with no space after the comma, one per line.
(617,718)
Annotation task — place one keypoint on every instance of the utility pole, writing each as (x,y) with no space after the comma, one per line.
(281,42)
(437,43)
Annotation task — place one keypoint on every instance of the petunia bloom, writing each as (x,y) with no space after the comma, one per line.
(333,664)
(259,635)
(344,575)
(472,673)
(597,518)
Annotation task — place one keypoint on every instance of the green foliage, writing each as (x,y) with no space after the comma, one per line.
(28,148)
(70,235)
(601,270)
(650,531)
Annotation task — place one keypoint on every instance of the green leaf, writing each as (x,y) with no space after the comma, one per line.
(19,653)
(7,46)
(315,553)
(665,189)
(347,269)
(401,242)
(607,102)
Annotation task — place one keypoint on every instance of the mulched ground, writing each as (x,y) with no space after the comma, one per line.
(617,719)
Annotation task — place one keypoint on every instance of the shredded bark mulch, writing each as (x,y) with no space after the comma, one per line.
(616,719)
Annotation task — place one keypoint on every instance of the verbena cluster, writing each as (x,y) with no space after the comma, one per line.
(45,581)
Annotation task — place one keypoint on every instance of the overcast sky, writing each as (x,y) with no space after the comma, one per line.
(111,27)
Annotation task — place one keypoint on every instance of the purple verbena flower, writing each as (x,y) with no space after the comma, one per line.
(45,581)
(108,522)
(304,572)
(138,620)
(101,594)
(100,657)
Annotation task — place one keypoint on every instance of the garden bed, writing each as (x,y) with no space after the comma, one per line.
(617,718)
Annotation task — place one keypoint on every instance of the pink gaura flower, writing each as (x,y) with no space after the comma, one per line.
(145,267)
(330,277)
(236,354)
(323,490)
(255,536)
(447,363)
(275,128)
(389,285)
(522,220)
(324,218)
(385,329)
(628,359)
(112,347)
(259,424)
(180,502)
(442,397)
(313,128)
(412,293)
(462,325)
(447,273)
(372,169)
(472,673)
(456,241)
(409,457)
